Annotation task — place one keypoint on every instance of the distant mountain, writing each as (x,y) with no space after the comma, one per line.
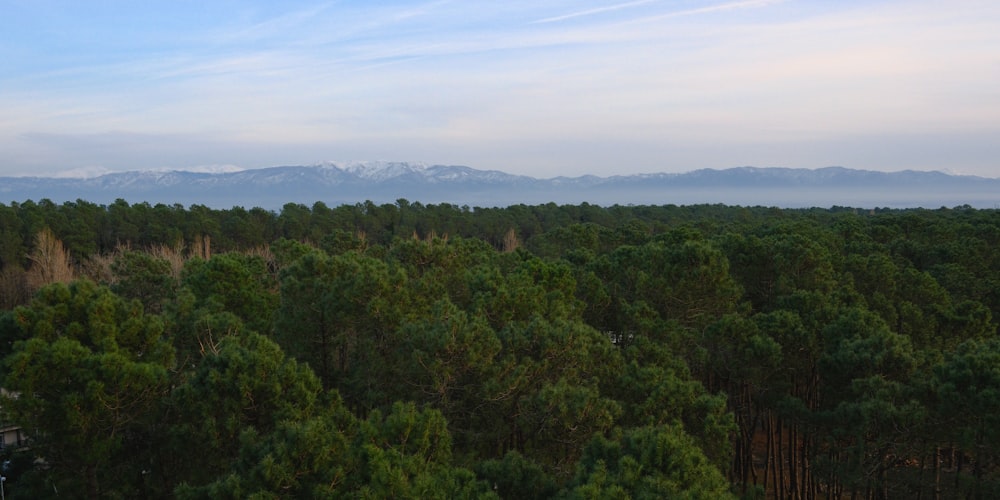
(337,183)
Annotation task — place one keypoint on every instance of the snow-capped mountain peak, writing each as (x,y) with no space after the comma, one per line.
(378,171)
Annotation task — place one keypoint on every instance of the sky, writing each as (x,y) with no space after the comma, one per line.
(540,88)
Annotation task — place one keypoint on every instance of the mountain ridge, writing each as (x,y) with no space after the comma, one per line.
(336,183)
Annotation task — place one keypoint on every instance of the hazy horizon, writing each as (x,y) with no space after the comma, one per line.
(91,173)
(563,88)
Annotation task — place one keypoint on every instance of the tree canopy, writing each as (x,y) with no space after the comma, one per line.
(433,351)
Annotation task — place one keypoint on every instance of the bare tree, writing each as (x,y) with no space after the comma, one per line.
(174,255)
(511,241)
(202,247)
(50,261)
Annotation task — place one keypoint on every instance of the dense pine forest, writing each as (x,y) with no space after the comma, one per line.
(437,351)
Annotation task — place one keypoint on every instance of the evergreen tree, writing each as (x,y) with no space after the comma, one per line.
(85,383)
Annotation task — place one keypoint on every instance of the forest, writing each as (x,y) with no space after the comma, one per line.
(552,351)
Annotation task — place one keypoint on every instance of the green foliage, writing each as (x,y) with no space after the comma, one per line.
(405,454)
(12,249)
(303,458)
(647,462)
(141,276)
(87,380)
(557,351)
(235,283)
(339,314)
(245,383)
(967,385)
(687,282)
(656,388)
(517,477)
(451,354)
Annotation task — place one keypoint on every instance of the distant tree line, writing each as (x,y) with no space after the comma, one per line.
(552,351)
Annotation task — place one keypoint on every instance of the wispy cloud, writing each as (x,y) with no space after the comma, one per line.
(278,25)
(721,7)
(596,10)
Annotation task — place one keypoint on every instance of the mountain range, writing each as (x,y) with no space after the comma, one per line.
(336,183)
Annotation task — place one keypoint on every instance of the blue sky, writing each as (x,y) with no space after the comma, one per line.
(540,88)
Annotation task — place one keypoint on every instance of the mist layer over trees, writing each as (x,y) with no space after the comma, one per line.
(549,351)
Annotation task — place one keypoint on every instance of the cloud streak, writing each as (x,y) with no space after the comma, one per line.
(722,7)
(708,9)
(591,12)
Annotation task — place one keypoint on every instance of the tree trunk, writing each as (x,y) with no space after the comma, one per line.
(977,467)
(937,473)
(780,464)
(93,487)
(793,469)
(770,465)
